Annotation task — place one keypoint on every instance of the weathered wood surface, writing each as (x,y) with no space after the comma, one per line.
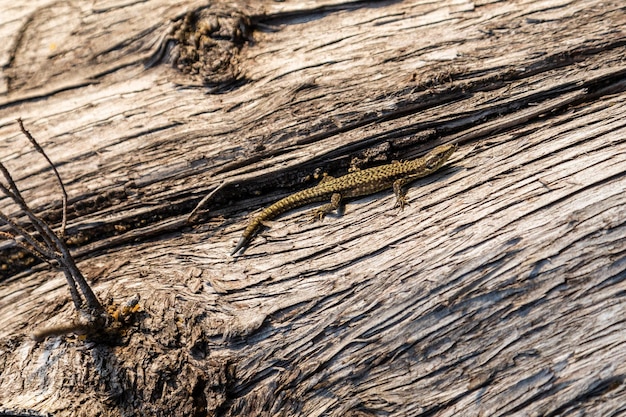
(498,291)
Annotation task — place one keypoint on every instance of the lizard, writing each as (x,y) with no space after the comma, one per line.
(354,184)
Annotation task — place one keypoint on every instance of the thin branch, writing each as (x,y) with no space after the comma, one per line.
(73,274)
(92,300)
(36,245)
(56,173)
(42,227)
(76,298)
(194,213)
(24,245)
(56,247)
(15,195)
(50,238)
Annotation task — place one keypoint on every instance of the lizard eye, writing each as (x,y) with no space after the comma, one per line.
(438,156)
(433,163)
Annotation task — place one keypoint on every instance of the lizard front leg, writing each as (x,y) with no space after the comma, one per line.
(400,192)
(320,212)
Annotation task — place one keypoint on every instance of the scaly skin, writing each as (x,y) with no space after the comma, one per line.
(355,184)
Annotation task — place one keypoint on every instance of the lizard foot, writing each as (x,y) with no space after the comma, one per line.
(317,215)
(401,202)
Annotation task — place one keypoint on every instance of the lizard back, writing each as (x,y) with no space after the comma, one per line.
(354,184)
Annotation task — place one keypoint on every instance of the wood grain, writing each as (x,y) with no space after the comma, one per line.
(498,291)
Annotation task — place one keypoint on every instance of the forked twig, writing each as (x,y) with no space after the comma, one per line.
(45,243)
(56,174)
(24,245)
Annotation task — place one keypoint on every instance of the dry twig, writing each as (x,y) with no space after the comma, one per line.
(46,244)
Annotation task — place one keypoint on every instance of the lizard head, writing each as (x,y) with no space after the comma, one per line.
(438,156)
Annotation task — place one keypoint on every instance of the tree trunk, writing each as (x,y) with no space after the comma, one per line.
(499,290)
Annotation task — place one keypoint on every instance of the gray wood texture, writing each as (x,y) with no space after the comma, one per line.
(500,290)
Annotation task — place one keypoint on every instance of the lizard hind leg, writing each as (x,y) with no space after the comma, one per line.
(320,212)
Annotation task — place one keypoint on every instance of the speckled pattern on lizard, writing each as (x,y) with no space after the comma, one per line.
(355,184)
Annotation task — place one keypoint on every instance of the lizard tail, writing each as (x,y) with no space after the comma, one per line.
(252,228)
(242,242)
(295,200)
